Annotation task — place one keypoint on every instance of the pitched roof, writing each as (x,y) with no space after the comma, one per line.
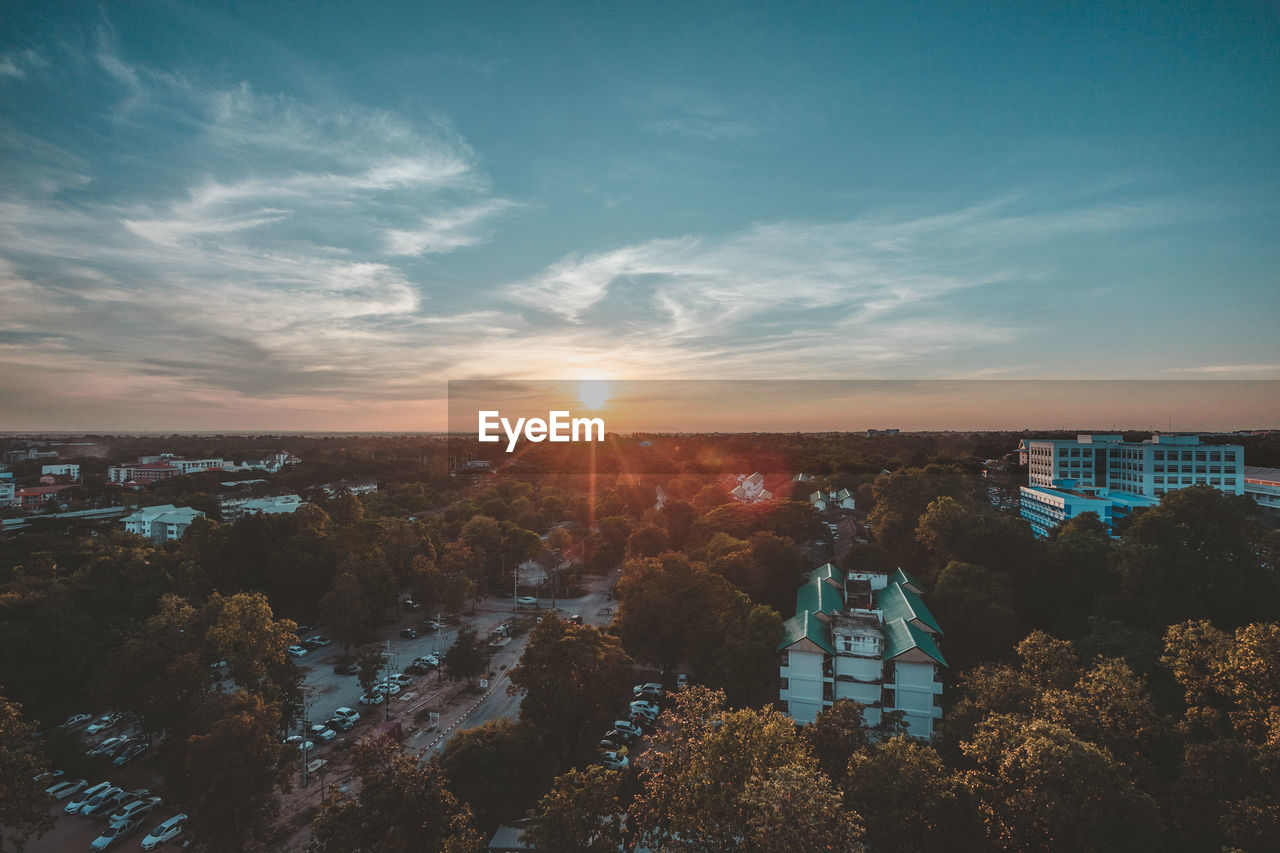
(805,626)
(818,596)
(902,636)
(901,577)
(828,572)
(898,602)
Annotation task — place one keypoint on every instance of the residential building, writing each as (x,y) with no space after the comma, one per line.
(832,499)
(150,469)
(236,507)
(865,636)
(1263,485)
(34,497)
(8,492)
(355,487)
(873,433)
(751,489)
(70,472)
(162,523)
(1112,477)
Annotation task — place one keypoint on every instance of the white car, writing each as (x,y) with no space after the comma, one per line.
(628,727)
(135,809)
(77,802)
(104,722)
(401,679)
(526,601)
(115,833)
(351,715)
(298,651)
(62,790)
(640,706)
(390,687)
(373,697)
(319,641)
(100,799)
(75,720)
(163,832)
(322,733)
(614,761)
(296,740)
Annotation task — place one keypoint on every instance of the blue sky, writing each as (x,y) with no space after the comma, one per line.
(309,216)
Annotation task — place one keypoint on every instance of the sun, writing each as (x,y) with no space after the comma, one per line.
(593,393)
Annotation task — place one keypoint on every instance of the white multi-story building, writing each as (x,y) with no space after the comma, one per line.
(832,499)
(863,636)
(1112,477)
(235,507)
(162,523)
(71,472)
(1263,485)
(7,492)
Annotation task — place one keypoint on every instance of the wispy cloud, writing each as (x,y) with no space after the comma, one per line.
(18,64)
(1235,371)
(690,113)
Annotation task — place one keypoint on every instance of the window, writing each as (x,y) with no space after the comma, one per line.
(888,698)
(828,692)
(784,657)
(784,683)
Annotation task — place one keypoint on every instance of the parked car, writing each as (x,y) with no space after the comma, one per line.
(75,720)
(319,641)
(322,733)
(642,706)
(347,669)
(98,800)
(526,601)
(119,800)
(165,831)
(62,790)
(109,745)
(130,752)
(77,802)
(104,722)
(371,698)
(349,714)
(49,777)
(409,633)
(115,833)
(298,651)
(576,618)
(134,810)
(682,680)
(649,690)
(401,679)
(389,687)
(299,743)
(614,761)
(628,727)
(619,736)
(607,745)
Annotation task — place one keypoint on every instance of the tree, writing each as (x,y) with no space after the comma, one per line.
(492,768)
(835,735)
(1039,787)
(24,806)
(910,800)
(402,805)
(574,678)
(648,541)
(244,632)
(467,657)
(720,780)
(666,608)
(583,812)
(902,497)
(370,660)
(233,770)
(979,608)
(347,612)
(745,663)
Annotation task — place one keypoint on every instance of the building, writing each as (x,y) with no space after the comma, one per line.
(875,433)
(70,472)
(273,464)
(236,507)
(864,636)
(151,469)
(34,497)
(751,489)
(8,492)
(354,487)
(832,499)
(1112,477)
(1263,485)
(163,523)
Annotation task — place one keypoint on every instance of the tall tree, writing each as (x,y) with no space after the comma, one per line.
(574,678)
(582,812)
(667,609)
(24,806)
(468,656)
(493,768)
(402,805)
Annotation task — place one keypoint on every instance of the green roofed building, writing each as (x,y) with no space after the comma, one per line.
(864,636)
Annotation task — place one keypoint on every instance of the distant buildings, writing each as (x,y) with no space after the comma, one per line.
(751,489)
(163,523)
(832,499)
(7,492)
(873,433)
(236,507)
(34,497)
(1112,477)
(69,472)
(152,469)
(354,487)
(863,636)
(1263,485)
(273,464)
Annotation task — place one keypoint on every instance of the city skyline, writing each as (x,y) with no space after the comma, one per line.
(287,218)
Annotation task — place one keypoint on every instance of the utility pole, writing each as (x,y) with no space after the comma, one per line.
(306,731)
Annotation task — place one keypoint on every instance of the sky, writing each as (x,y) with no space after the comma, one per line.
(301,216)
